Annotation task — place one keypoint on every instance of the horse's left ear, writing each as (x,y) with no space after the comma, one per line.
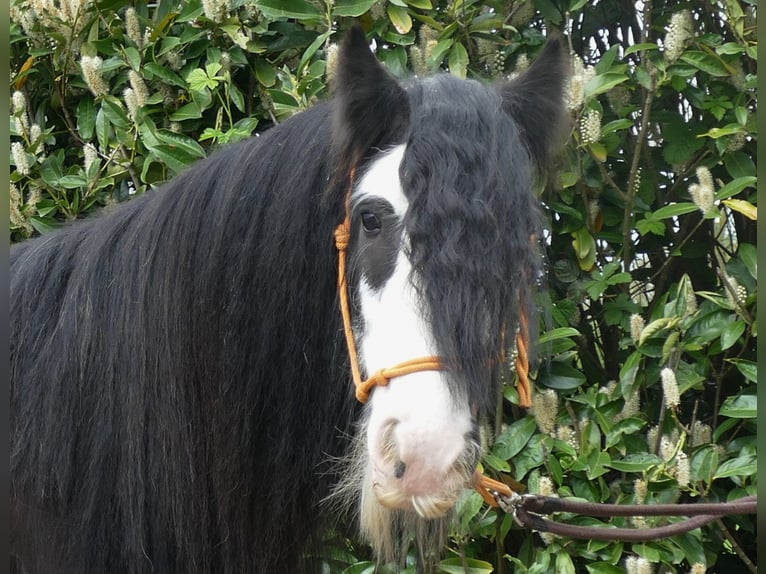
(371,108)
(535,100)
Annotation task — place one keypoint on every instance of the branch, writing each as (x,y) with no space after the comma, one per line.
(742,556)
(627,222)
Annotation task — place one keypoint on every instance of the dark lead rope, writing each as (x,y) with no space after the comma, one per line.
(527,511)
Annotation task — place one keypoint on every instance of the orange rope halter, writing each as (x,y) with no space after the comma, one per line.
(487,487)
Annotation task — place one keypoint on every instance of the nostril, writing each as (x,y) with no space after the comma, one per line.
(399,469)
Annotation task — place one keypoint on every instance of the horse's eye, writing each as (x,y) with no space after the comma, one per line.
(370,222)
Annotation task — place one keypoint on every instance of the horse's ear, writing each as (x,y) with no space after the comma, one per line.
(535,100)
(371,108)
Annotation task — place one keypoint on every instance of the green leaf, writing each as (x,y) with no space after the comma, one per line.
(627,426)
(691,547)
(237,98)
(102,129)
(181,141)
(43,226)
(703,462)
(747,254)
(514,438)
(235,35)
(265,72)
(741,466)
(739,164)
(616,125)
(421,4)
(496,462)
(716,132)
(603,568)
(731,334)
(628,372)
(603,83)
(458,60)
(365,567)
(559,333)
(400,18)
(470,566)
(705,62)
(133,58)
(748,368)
(114,112)
(469,504)
(638,462)
(647,226)
(298,9)
(561,376)
(166,75)
(729,48)
(86,118)
(199,81)
(531,457)
(598,463)
(73,182)
(585,248)
(598,151)
(564,564)
(190,111)
(639,47)
(734,187)
(175,158)
(441,48)
(740,407)
(351,8)
(305,58)
(674,210)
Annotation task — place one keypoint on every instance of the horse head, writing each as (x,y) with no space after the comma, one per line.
(441,221)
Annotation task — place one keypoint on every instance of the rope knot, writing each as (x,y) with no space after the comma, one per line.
(342,236)
(364,389)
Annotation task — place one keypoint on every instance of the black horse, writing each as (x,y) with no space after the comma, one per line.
(179,374)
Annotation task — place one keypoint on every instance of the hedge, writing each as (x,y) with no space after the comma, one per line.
(646,391)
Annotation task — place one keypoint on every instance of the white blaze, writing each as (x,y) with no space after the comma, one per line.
(414,413)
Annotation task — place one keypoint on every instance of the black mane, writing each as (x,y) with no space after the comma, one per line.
(147,360)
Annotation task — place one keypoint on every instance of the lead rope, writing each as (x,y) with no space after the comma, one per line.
(527,511)
(487,487)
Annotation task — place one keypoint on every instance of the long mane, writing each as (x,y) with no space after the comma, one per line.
(159,356)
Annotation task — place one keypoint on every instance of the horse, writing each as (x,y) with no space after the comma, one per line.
(181,384)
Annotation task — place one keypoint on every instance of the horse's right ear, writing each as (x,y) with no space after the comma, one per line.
(535,100)
(371,108)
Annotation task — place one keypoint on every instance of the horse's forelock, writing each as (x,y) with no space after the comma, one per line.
(469,176)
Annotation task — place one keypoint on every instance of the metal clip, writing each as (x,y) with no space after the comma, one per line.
(508,503)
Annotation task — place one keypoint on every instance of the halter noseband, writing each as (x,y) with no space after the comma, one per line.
(489,489)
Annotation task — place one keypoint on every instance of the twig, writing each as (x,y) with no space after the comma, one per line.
(608,178)
(627,222)
(679,246)
(734,544)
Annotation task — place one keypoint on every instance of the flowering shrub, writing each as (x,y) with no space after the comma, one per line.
(646,390)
